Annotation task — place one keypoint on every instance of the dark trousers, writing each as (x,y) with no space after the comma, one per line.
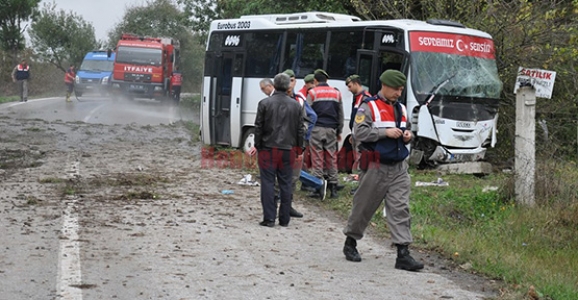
(177,92)
(276,164)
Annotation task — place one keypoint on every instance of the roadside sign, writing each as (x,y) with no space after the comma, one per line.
(541,80)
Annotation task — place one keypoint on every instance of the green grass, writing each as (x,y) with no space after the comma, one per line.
(192,102)
(194,129)
(519,245)
(5,99)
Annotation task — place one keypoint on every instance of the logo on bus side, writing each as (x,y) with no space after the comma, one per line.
(388,39)
(233,40)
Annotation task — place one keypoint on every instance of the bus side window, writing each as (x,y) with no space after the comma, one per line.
(342,52)
(263,50)
(392,61)
(309,52)
(293,43)
(391,66)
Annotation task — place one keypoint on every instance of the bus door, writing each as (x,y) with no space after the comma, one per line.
(225,94)
(367,69)
(386,51)
(370,65)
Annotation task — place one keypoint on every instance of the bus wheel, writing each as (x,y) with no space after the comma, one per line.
(248,139)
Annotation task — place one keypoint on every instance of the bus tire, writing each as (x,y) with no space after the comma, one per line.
(248,139)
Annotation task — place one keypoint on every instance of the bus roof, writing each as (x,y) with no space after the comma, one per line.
(330,20)
(305,17)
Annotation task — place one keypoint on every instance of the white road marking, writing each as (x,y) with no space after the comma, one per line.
(69,271)
(85,120)
(171,114)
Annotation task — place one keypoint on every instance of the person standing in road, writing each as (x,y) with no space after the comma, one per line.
(21,75)
(353,83)
(309,84)
(267,88)
(69,77)
(326,102)
(310,119)
(279,135)
(382,127)
(176,82)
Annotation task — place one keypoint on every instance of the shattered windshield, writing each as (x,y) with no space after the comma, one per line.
(468,76)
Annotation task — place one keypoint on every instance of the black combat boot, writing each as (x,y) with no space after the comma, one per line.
(333,189)
(295,213)
(350,250)
(404,261)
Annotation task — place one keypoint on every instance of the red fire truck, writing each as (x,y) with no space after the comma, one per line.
(143,66)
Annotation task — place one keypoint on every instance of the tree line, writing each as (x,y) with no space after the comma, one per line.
(58,38)
(534,34)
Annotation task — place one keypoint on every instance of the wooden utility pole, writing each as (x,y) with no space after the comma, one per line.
(525,165)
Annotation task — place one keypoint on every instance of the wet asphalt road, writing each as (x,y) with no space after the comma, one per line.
(96,110)
(44,249)
(94,211)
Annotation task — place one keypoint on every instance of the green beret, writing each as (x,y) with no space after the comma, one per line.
(321,71)
(351,78)
(393,78)
(309,78)
(289,72)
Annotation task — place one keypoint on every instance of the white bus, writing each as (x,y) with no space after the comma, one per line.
(452,93)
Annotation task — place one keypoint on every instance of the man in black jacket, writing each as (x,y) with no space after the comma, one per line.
(279,135)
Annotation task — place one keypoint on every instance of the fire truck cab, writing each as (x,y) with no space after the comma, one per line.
(143,66)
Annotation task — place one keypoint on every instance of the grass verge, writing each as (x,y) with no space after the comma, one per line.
(5,99)
(475,220)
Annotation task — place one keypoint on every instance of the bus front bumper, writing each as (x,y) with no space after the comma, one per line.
(442,155)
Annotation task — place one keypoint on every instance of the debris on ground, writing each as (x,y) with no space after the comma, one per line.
(438,182)
(488,188)
(248,180)
(351,177)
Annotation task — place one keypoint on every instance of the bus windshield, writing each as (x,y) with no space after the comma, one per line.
(468,76)
(139,56)
(96,66)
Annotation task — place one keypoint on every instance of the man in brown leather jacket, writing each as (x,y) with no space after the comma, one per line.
(279,135)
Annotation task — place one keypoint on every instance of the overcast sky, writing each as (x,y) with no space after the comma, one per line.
(103,14)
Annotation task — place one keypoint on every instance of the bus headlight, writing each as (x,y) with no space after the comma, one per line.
(158,88)
(77,79)
(104,80)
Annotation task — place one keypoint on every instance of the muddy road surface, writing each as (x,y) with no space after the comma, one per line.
(130,211)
